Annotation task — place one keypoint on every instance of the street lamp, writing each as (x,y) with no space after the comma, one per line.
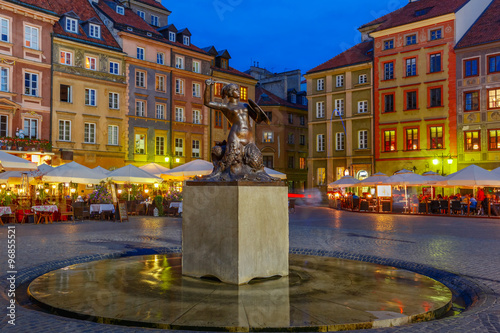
(443,157)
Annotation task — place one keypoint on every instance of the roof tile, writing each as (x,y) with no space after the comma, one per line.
(355,55)
(233,71)
(273,100)
(485,30)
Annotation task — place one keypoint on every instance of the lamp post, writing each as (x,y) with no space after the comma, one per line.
(436,159)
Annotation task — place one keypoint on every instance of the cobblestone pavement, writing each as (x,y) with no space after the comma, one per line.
(463,253)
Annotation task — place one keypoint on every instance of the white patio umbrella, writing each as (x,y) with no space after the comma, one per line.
(101,170)
(190,169)
(154,169)
(346,181)
(274,173)
(9,162)
(15,177)
(407,178)
(131,173)
(375,179)
(433,175)
(72,173)
(472,176)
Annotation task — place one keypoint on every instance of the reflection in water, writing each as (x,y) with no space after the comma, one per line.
(150,290)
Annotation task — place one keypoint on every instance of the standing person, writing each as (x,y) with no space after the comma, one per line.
(480,198)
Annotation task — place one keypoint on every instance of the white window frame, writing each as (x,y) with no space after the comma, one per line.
(160,82)
(155,20)
(70,94)
(4,30)
(71,25)
(320,143)
(89,133)
(141,53)
(94,31)
(171,36)
(141,14)
(195,148)
(363,78)
(140,79)
(196,117)
(31,37)
(33,88)
(4,79)
(4,122)
(114,65)
(160,111)
(362,106)
(179,147)
(179,86)
(140,143)
(160,146)
(267,137)
(363,139)
(91,63)
(339,106)
(90,97)
(28,131)
(196,66)
(339,81)
(320,109)
(339,141)
(113,131)
(179,62)
(140,108)
(120,10)
(196,90)
(179,114)
(67,56)
(160,58)
(114,101)
(185,40)
(320,84)
(65,130)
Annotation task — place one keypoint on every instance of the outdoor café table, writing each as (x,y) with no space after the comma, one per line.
(101,208)
(177,204)
(3,211)
(44,212)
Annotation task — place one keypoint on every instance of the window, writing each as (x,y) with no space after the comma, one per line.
(179,147)
(268,161)
(179,62)
(435,62)
(269,115)
(113,135)
(65,93)
(218,119)
(114,101)
(185,40)
(196,90)
(302,163)
(389,71)
(302,140)
(362,106)
(196,117)
(140,144)
(195,148)
(411,100)
(494,139)
(304,100)
(140,79)
(290,118)
(494,64)
(471,67)
(244,94)
(30,128)
(267,137)
(4,123)
(179,114)
(472,141)
(196,66)
(160,82)
(293,98)
(155,21)
(224,63)
(411,139)
(494,98)
(120,10)
(140,53)
(363,78)
(171,36)
(471,101)
(320,109)
(363,139)
(411,67)
(340,80)
(90,97)
(64,130)
(160,58)
(302,120)
(4,79)
(291,161)
(321,173)
(4,30)
(95,31)
(320,84)
(339,141)
(71,25)
(31,37)
(436,137)
(160,111)
(141,14)
(390,140)
(114,68)
(389,44)
(389,103)
(179,86)
(218,90)
(339,106)
(436,34)
(291,138)
(91,63)
(160,145)
(320,142)
(140,108)
(411,40)
(435,97)
(89,133)
(31,84)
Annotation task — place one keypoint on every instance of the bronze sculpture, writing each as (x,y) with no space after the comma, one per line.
(238,158)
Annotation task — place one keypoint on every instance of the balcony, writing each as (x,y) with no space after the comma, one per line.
(35,145)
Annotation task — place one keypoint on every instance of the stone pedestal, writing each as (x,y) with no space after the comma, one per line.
(235,231)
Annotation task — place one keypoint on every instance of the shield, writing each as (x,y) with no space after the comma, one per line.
(256,113)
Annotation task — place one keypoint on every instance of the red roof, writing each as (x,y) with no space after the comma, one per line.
(273,100)
(85,11)
(485,30)
(233,71)
(355,55)
(153,3)
(417,11)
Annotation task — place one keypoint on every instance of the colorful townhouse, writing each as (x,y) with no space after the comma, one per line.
(478,92)
(25,74)
(284,142)
(89,123)
(341,117)
(415,72)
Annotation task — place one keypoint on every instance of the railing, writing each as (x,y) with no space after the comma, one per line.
(7,143)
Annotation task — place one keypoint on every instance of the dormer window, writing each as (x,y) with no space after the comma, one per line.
(155,20)
(186,40)
(171,36)
(94,31)
(223,63)
(120,10)
(141,14)
(130,29)
(293,98)
(71,25)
